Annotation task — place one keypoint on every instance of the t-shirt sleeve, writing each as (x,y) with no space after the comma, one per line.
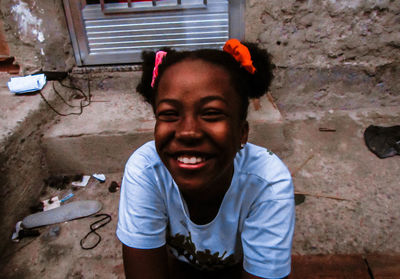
(142,218)
(268,231)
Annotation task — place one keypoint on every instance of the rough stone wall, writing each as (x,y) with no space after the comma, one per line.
(37,34)
(23,166)
(330,54)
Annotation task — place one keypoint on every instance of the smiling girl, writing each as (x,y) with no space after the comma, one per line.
(199,201)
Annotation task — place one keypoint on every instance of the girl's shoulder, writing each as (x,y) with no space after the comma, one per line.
(262,162)
(143,157)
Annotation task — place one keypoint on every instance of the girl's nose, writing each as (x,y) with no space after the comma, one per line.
(188,130)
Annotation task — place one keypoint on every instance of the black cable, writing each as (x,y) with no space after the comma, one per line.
(86,98)
(93,230)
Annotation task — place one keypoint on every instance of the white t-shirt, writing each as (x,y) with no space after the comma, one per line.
(254,224)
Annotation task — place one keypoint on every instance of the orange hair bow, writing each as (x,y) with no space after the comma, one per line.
(241,54)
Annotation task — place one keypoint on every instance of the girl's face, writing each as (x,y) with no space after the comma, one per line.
(198,127)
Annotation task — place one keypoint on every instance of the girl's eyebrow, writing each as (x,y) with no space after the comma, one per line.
(202,100)
(213,98)
(170,101)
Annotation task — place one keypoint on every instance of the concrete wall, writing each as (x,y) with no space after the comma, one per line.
(330,54)
(37,34)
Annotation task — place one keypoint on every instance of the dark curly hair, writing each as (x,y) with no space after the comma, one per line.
(247,85)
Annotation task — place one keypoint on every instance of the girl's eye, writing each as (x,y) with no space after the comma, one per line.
(213,115)
(168,115)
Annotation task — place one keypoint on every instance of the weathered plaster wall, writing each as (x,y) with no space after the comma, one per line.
(325,33)
(330,54)
(37,34)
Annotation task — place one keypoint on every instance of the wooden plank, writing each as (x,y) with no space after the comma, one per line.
(329,267)
(384,266)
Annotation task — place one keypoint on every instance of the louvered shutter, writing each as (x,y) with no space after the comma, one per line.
(118,33)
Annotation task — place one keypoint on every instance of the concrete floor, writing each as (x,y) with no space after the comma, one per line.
(351,196)
(351,202)
(61,256)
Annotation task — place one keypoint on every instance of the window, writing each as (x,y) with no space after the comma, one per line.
(116,32)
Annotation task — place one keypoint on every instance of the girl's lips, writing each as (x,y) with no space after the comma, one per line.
(191,166)
(190,162)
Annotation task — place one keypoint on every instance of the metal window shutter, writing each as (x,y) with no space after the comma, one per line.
(120,38)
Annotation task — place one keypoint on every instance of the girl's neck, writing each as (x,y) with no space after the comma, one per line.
(204,207)
(203,212)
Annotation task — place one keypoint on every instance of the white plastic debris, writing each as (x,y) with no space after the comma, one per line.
(100,177)
(83,182)
(51,203)
(15,234)
(19,85)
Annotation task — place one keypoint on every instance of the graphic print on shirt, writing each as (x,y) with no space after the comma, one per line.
(204,260)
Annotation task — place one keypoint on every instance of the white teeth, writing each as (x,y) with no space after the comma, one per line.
(190,160)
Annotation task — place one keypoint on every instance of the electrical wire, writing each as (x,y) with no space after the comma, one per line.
(93,228)
(85,98)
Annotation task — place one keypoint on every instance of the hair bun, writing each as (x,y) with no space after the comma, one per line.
(259,82)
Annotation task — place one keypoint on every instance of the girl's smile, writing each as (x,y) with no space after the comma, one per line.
(198,128)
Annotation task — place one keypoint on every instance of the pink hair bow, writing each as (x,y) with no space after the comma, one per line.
(159,57)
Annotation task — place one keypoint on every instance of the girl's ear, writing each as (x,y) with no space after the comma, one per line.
(244,132)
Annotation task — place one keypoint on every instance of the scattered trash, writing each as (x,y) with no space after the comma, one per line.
(100,177)
(383,141)
(57,182)
(83,182)
(31,83)
(93,228)
(63,213)
(51,203)
(321,196)
(293,173)
(113,187)
(61,182)
(327,130)
(36,208)
(299,198)
(20,232)
(15,234)
(67,197)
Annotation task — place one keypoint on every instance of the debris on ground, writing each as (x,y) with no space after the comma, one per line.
(36,208)
(21,232)
(324,129)
(67,197)
(81,183)
(61,182)
(51,203)
(63,213)
(299,199)
(383,141)
(27,84)
(93,227)
(100,177)
(113,187)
